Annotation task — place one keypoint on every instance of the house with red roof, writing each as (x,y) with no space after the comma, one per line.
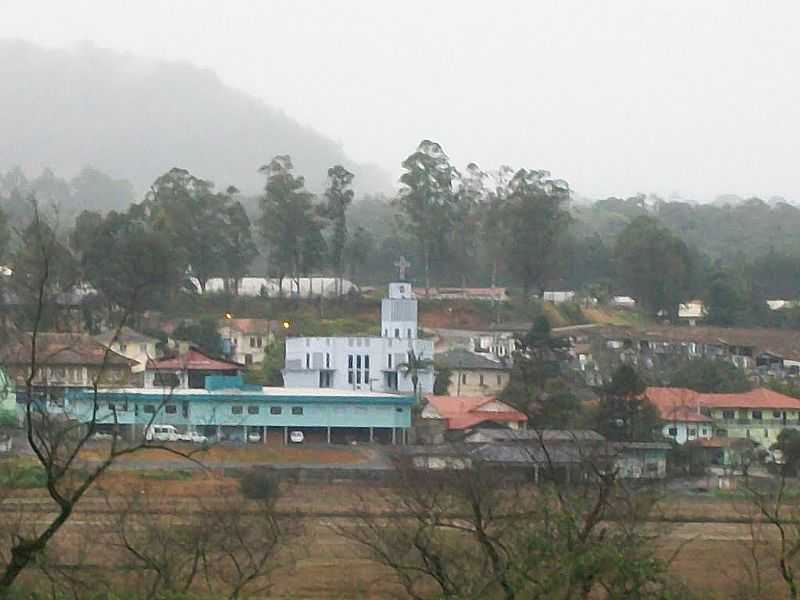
(681,414)
(758,415)
(188,370)
(466,413)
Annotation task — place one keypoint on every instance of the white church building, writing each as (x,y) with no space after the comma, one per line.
(367,363)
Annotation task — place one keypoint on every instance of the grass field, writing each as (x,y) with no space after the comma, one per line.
(712,557)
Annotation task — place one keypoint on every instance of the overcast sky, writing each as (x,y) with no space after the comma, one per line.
(694,98)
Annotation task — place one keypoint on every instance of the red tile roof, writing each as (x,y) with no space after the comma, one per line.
(674,403)
(194,360)
(463,412)
(677,404)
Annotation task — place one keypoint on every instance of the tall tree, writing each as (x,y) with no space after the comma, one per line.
(624,413)
(239,248)
(360,247)
(534,217)
(464,245)
(195,218)
(654,265)
(289,224)
(426,200)
(339,196)
(126,259)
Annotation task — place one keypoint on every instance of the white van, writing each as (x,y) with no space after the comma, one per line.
(161,433)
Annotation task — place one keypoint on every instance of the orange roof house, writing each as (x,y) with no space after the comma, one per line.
(759,415)
(466,412)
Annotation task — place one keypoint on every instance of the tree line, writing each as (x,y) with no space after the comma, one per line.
(518,228)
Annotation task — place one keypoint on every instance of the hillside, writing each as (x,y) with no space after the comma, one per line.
(135,118)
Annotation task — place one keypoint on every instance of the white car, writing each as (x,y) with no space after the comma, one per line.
(161,433)
(254,438)
(193,437)
(102,436)
(296,437)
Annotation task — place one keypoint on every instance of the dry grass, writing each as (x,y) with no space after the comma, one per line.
(251,454)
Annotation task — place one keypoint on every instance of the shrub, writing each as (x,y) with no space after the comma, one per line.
(257,484)
(18,475)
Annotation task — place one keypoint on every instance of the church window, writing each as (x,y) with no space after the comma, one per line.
(396,333)
(499,380)
(480,379)
(389,360)
(308,360)
(358,376)
(327,360)
(366,361)
(408,334)
(463,378)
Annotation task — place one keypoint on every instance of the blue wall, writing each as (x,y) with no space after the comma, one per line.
(234,407)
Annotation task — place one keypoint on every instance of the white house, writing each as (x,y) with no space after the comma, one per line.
(131,344)
(244,340)
(364,362)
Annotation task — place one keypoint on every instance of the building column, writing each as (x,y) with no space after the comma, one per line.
(264,437)
(286,436)
(329,434)
(371,435)
(219,432)
(394,435)
(246,434)
(535,473)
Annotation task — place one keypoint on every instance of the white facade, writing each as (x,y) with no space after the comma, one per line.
(683,431)
(364,362)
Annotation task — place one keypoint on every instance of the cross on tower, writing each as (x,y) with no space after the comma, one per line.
(402,264)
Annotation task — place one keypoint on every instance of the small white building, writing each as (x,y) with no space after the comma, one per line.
(364,362)
(559,297)
(244,340)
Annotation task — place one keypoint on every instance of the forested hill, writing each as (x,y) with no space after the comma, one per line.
(135,119)
(724,231)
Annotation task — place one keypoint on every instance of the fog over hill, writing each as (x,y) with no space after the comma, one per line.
(136,118)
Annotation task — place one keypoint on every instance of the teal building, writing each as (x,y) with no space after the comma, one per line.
(227,409)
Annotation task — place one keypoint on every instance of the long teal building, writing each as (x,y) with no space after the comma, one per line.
(227,409)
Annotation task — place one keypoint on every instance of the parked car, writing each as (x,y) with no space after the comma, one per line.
(193,437)
(161,433)
(296,437)
(102,436)
(254,438)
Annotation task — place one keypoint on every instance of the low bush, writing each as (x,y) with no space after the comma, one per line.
(18,475)
(257,484)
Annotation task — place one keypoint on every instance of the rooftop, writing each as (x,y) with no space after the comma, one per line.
(125,335)
(674,402)
(61,349)
(460,358)
(194,360)
(780,342)
(463,412)
(252,326)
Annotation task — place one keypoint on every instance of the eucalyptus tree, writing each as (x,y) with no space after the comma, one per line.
(654,265)
(427,200)
(533,217)
(239,249)
(289,222)
(339,196)
(188,211)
